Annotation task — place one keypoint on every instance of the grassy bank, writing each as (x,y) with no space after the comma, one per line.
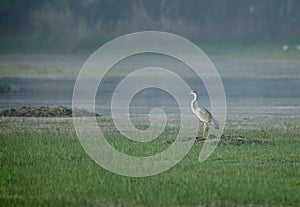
(251,48)
(40,168)
(20,62)
(17,70)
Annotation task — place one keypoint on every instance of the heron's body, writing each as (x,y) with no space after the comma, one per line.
(203,114)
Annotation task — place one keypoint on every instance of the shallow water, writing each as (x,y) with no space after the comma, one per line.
(253,87)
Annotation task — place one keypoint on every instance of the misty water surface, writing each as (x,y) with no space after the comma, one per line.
(254,87)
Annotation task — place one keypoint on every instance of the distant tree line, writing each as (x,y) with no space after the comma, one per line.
(82,22)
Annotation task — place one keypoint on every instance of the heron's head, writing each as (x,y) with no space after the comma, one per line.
(193,92)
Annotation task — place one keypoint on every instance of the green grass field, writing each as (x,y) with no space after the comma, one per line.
(43,164)
(50,168)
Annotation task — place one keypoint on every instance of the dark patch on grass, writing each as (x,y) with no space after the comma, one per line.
(237,140)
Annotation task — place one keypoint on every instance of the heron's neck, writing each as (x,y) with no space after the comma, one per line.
(194,104)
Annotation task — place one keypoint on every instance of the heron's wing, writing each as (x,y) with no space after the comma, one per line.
(205,116)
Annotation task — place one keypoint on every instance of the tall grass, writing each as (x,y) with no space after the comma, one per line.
(52,169)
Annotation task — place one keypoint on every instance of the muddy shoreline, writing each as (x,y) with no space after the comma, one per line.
(60,111)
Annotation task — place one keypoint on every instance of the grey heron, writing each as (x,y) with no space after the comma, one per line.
(202,113)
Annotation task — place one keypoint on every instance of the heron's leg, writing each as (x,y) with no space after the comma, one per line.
(204,129)
(199,131)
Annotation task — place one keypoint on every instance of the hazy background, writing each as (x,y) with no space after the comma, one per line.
(74,25)
(44,43)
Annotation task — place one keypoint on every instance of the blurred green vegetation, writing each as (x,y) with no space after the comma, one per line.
(74,25)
